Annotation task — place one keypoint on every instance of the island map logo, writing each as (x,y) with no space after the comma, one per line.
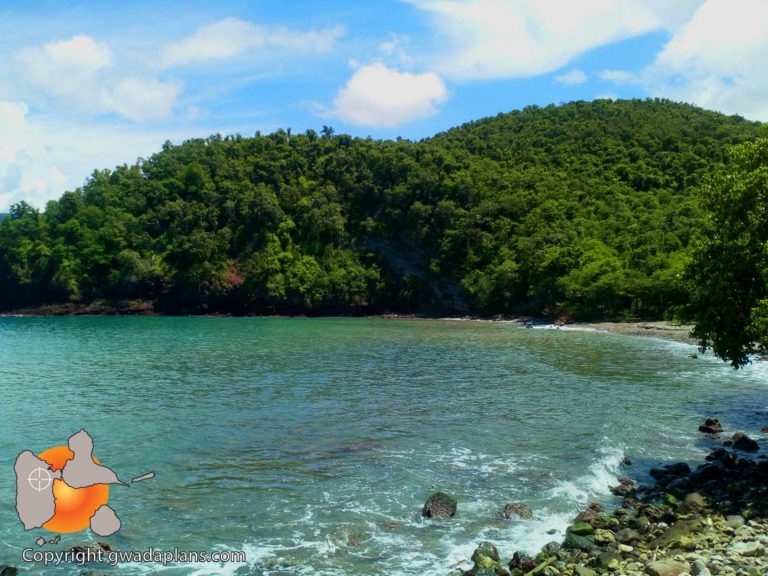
(66,489)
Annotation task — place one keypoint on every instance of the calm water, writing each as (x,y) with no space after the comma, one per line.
(311,444)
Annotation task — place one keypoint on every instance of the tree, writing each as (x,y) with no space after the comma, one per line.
(729,271)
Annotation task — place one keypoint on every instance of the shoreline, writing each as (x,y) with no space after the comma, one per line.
(707,521)
(660,329)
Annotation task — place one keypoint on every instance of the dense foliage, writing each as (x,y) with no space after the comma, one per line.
(729,270)
(584,209)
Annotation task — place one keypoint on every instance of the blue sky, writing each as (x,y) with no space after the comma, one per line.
(87,85)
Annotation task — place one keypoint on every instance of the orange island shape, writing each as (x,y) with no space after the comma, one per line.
(74,506)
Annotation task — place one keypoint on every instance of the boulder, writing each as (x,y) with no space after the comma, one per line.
(486,553)
(576,542)
(608,560)
(751,548)
(667,568)
(670,472)
(516,509)
(743,442)
(583,571)
(626,487)
(711,426)
(439,505)
(521,561)
(581,529)
(8,571)
(694,502)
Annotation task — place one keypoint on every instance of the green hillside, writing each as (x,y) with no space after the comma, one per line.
(583,209)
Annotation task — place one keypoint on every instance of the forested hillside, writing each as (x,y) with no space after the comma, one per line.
(583,209)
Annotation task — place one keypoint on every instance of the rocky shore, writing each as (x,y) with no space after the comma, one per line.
(712,520)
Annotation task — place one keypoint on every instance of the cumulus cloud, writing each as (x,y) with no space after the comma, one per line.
(80,73)
(41,157)
(486,39)
(232,37)
(715,60)
(381,97)
(572,78)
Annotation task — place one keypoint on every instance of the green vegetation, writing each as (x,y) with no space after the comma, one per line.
(584,209)
(729,271)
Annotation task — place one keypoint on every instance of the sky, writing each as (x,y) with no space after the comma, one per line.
(92,85)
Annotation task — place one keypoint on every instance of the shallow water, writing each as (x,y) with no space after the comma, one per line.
(311,444)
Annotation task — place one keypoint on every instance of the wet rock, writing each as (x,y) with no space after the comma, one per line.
(604,537)
(439,505)
(734,521)
(516,509)
(581,529)
(576,542)
(627,535)
(583,571)
(743,442)
(8,571)
(626,487)
(711,426)
(521,561)
(670,472)
(551,548)
(666,568)
(694,502)
(486,550)
(609,560)
(588,516)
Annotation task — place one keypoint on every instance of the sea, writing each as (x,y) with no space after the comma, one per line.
(292,446)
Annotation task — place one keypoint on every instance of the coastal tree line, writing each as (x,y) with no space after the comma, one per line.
(588,209)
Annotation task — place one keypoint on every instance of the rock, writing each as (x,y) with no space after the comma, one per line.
(486,559)
(666,474)
(734,521)
(609,560)
(666,568)
(576,542)
(518,509)
(551,548)
(694,502)
(595,506)
(521,561)
(698,568)
(626,487)
(748,548)
(711,426)
(764,429)
(439,505)
(625,548)
(583,571)
(680,535)
(588,516)
(743,442)
(603,537)
(581,529)
(627,535)
(8,571)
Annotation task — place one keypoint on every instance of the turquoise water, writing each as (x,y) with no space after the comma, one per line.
(311,444)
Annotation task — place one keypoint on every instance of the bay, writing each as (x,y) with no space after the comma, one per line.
(311,444)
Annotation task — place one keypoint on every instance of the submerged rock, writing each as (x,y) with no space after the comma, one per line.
(711,426)
(516,509)
(439,505)
(743,442)
(8,571)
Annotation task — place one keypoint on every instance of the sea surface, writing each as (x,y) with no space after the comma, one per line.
(312,444)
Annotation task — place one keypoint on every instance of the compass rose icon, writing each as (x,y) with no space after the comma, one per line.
(40,479)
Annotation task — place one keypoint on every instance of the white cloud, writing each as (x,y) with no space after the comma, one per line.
(572,78)
(81,74)
(232,37)
(518,38)
(620,77)
(41,157)
(381,97)
(716,60)
(142,99)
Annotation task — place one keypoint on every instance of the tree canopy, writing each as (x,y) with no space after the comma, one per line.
(587,209)
(729,269)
